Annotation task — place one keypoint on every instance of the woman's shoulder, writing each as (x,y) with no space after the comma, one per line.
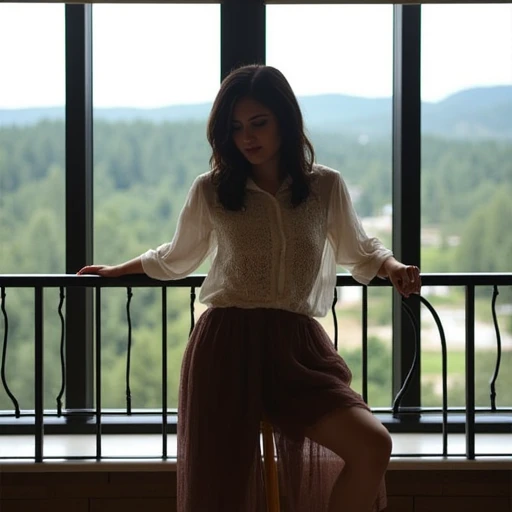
(203,182)
(325,176)
(325,172)
(201,188)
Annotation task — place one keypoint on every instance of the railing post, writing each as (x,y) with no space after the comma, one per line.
(470,372)
(364,362)
(39,373)
(164,374)
(98,375)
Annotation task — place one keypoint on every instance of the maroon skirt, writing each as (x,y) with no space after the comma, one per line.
(241,365)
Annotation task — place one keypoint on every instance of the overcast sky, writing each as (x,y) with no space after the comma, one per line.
(156,55)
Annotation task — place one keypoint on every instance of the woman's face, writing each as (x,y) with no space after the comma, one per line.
(255,131)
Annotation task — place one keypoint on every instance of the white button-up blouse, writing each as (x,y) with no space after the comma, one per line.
(270,254)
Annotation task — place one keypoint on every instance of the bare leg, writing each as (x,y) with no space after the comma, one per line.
(365,445)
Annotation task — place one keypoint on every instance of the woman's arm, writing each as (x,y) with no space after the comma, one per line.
(191,244)
(405,278)
(363,256)
(133,266)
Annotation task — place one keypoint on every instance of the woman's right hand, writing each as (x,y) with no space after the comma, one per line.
(101,270)
(133,266)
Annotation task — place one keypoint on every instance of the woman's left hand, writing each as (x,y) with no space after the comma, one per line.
(405,278)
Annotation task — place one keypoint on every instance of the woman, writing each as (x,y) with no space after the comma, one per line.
(276,225)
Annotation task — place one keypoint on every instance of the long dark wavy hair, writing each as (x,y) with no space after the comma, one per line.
(230,169)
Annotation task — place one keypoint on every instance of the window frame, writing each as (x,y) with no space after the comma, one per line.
(243,34)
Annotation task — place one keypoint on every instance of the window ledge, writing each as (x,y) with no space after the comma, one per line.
(142,452)
(396,464)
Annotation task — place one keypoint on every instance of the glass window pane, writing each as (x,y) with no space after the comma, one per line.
(153,88)
(466,184)
(338,60)
(32,198)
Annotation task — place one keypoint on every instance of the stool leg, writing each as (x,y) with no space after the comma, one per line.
(270,467)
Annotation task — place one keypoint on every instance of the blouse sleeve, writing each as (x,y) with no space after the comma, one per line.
(361,255)
(193,241)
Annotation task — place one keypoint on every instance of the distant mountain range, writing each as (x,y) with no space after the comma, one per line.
(473,113)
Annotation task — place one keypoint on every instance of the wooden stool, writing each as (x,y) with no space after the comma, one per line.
(270,468)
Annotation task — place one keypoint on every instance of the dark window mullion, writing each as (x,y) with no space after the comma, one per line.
(242,34)
(406,183)
(79,208)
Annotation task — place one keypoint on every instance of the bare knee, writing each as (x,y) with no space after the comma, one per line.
(378,446)
(356,436)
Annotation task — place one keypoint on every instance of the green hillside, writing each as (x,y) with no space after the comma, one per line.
(142,174)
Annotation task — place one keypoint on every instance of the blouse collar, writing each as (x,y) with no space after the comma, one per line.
(250,184)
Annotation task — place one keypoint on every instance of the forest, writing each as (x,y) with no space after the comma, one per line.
(142,171)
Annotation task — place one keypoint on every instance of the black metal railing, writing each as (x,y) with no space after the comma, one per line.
(35,422)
